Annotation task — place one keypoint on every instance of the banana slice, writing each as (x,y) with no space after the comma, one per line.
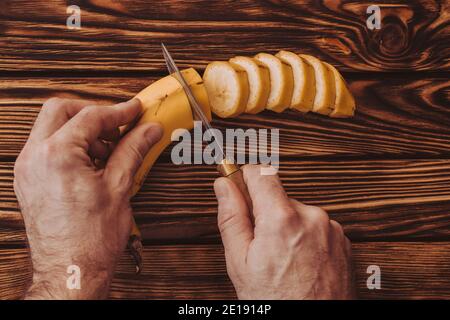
(304,81)
(259,83)
(281,82)
(227,87)
(325,90)
(344,105)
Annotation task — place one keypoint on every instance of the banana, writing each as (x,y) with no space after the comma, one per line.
(325,90)
(227,87)
(164,101)
(281,82)
(344,105)
(259,83)
(304,81)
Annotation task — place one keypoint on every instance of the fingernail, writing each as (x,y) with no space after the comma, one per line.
(154,132)
(221,189)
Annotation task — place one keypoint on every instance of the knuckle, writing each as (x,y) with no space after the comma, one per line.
(286,213)
(286,220)
(318,216)
(254,174)
(337,227)
(250,170)
(254,169)
(283,218)
(52,103)
(294,202)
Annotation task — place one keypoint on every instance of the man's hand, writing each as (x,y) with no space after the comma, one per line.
(77,212)
(293,251)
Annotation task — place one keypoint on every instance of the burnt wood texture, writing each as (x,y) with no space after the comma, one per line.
(126,35)
(383,174)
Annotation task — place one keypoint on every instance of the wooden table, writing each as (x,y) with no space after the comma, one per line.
(384,174)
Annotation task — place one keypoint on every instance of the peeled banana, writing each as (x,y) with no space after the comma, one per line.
(344,105)
(277,82)
(227,87)
(304,81)
(325,91)
(281,82)
(258,80)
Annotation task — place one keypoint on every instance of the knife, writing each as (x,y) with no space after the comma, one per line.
(226,167)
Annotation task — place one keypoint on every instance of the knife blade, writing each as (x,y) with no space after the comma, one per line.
(196,109)
(226,166)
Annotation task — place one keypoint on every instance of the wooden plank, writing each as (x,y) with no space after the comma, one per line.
(408,270)
(384,199)
(15,273)
(395,117)
(126,35)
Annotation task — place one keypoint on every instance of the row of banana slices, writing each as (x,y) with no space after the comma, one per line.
(276,82)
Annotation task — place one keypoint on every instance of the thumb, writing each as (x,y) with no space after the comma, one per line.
(234,221)
(130,152)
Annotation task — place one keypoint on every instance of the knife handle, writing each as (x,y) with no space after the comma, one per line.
(234,173)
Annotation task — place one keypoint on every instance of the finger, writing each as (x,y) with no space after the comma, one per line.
(267,193)
(92,121)
(129,153)
(99,150)
(54,113)
(233,218)
(311,215)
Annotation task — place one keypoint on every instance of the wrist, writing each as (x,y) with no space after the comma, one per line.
(69,283)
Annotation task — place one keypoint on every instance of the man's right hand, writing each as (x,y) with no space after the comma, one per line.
(291,251)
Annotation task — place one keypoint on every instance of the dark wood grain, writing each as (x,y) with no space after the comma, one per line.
(384,174)
(126,35)
(15,273)
(395,117)
(381,199)
(408,270)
